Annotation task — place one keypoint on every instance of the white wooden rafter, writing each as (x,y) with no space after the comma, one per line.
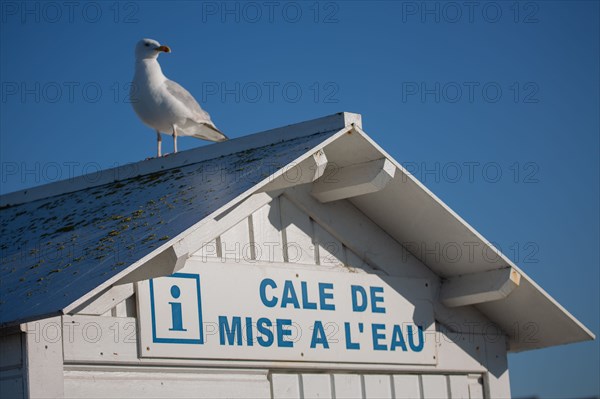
(354,180)
(471,289)
(303,172)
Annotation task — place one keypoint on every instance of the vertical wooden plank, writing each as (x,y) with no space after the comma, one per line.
(496,380)
(475,387)
(119,310)
(131,307)
(347,386)
(235,243)
(406,386)
(459,386)
(377,386)
(266,231)
(285,386)
(44,359)
(298,234)
(125,308)
(331,251)
(316,386)
(434,386)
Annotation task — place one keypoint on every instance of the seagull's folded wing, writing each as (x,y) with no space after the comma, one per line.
(200,126)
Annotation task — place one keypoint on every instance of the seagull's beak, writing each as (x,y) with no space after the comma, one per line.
(165,49)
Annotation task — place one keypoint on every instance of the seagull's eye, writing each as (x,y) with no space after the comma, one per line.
(147,44)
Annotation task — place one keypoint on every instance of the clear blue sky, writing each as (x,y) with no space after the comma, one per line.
(499,101)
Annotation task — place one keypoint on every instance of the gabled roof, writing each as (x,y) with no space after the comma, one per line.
(62,240)
(93,230)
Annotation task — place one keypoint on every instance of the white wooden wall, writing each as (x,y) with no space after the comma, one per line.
(281,232)
(103,361)
(287,230)
(296,228)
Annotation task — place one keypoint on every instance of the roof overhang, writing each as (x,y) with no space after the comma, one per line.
(385,192)
(420,221)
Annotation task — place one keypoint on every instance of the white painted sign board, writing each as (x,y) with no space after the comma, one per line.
(223,311)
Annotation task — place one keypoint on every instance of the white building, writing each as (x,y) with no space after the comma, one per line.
(299,262)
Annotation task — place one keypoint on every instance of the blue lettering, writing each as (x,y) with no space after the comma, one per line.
(249,332)
(375,299)
(263,297)
(323,296)
(305,303)
(318,336)
(358,290)
(282,333)
(289,295)
(176,312)
(397,339)
(377,336)
(416,348)
(266,335)
(233,333)
(349,343)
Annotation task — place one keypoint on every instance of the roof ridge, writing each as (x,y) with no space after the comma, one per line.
(130,170)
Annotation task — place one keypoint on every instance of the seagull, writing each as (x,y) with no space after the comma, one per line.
(164,105)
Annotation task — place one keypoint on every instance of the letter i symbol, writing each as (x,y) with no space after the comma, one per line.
(176,316)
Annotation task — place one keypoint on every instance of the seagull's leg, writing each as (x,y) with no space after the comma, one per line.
(174,140)
(158,143)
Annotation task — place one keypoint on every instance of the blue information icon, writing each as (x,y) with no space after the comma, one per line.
(176,309)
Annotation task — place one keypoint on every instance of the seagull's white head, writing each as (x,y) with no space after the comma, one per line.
(148,49)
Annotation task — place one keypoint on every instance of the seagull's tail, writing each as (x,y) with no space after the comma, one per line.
(222,136)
